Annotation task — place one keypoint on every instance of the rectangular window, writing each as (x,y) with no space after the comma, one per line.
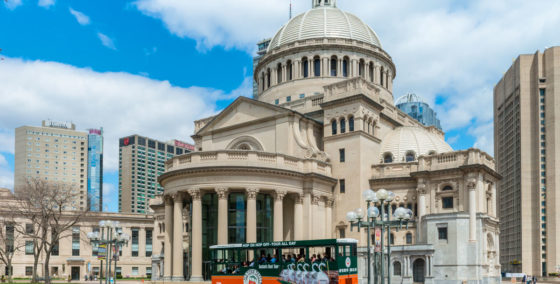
(341,152)
(342,185)
(301,96)
(118,271)
(55,246)
(289,98)
(148,272)
(29,228)
(342,233)
(442,233)
(148,242)
(135,241)
(95,246)
(76,241)
(447,202)
(28,270)
(134,271)
(276,101)
(10,238)
(151,143)
(28,247)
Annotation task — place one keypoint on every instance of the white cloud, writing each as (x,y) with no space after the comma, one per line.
(484,134)
(122,103)
(82,18)
(455,49)
(46,3)
(3,161)
(106,41)
(6,175)
(12,4)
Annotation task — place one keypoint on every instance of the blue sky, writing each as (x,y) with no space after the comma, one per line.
(152,66)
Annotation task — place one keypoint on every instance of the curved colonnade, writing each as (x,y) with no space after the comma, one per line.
(239,180)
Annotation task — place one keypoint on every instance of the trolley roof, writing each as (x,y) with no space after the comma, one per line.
(306,243)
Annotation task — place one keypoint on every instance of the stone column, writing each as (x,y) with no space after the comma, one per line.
(421,192)
(315,232)
(328,212)
(298,217)
(196,271)
(222,215)
(339,69)
(472,210)
(493,201)
(252,214)
(168,239)
(178,237)
(279,216)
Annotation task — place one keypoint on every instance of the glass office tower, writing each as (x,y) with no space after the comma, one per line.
(95,169)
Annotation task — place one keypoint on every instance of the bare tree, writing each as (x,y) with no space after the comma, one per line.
(10,242)
(52,209)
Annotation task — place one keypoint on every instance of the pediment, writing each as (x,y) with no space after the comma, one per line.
(242,110)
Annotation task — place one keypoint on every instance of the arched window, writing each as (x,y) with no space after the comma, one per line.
(305,65)
(381,81)
(397,268)
(410,156)
(388,158)
(432,152)
(392,238)
(334,63)
(289,70)
(371,72)
(447,187)
(361,67)
(262,82)
(408,238)
(279,73)
(317,66)
(342,125)
(268,78)
(333,126)
(351,123)
(345,67)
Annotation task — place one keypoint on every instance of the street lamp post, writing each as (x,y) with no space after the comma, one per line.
(402,216)
(108,236)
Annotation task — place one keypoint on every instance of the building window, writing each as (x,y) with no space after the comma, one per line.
(289,98)
(29,227)
(333,127)
(408,238)
(410,156)
(134,271)
(351,123)
(237,205)
(75,241)
(289,70)
(342,185)
(317,67)
(28,270)
(396,268)
(28,247)
(134,238)
(342,155)
(118,272)
(345,67)
(305,64)
(148,242)
(301,96)
(55,246)
(387,158)
(442,233)
(265,214)
(333,66)
(342,125)
(447,202)
(148,272)
(342,233)
(392,238)
(447,187)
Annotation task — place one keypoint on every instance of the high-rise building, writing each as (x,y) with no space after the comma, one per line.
(54,151)
(141,161)
(418,109)
(526,136)
(95,170)
(262,47)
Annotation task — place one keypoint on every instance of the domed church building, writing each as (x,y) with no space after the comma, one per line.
(322,128)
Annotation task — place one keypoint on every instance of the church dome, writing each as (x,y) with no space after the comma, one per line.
(324,22)
(406,143)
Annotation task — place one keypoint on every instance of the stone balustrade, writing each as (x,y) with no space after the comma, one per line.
(442,161)
(244,158)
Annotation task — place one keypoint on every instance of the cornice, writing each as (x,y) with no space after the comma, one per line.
(357,97)
(352,133)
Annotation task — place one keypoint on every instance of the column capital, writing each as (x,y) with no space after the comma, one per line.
(222,192)
(279,194)
(194,193)
(329,202)
(168,199)
(471,183)
(177,196)
(421,188)
(315,199)
(252,192)
(299,198)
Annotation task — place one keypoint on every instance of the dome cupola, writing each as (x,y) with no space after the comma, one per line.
(319,3)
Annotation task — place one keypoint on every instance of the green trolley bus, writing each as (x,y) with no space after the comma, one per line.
(299,262)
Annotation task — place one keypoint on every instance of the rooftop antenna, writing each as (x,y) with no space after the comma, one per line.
(290,9)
